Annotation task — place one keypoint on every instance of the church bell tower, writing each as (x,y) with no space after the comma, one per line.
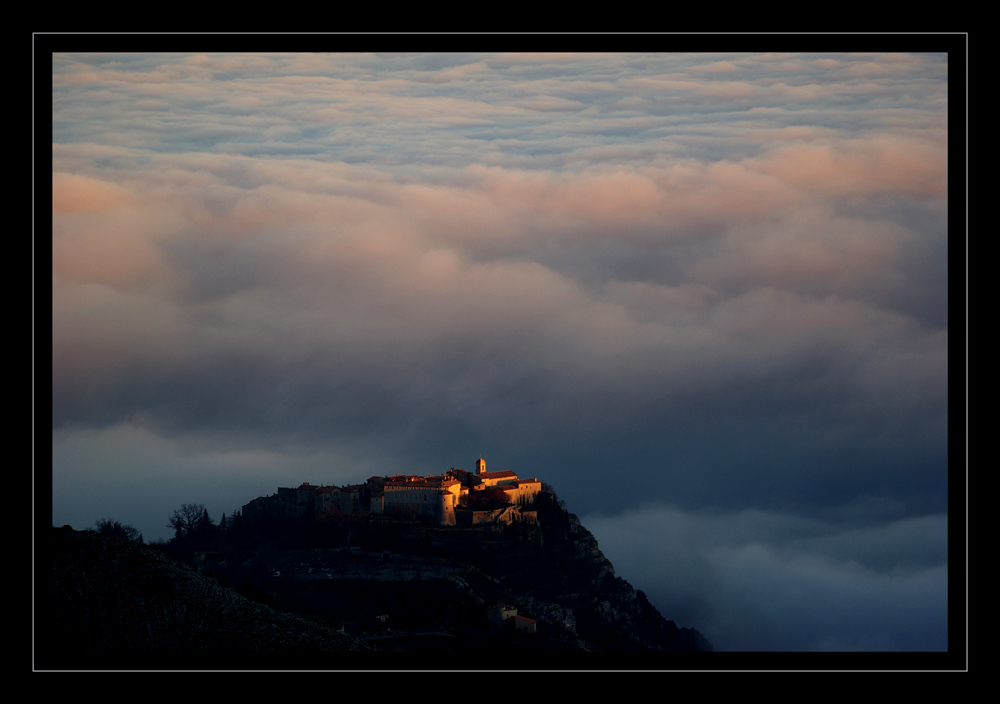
(480,466)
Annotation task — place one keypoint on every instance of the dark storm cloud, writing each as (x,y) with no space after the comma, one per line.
(724,274)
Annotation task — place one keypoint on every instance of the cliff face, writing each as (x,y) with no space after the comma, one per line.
(569,569)
(447,578)
(619,614)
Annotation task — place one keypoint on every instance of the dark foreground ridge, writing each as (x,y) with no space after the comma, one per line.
(353,594)
(116,605)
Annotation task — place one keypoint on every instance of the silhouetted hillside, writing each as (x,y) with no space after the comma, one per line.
(117,604)
(297,595)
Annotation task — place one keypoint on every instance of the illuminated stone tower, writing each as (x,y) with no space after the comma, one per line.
(480,466)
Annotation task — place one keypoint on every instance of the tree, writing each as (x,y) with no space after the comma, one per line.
(116,529)
(187,519)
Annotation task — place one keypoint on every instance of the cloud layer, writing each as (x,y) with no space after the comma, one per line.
(720,277)
(757,580)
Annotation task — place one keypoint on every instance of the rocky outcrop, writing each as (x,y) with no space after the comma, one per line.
(608,611)
(113,598)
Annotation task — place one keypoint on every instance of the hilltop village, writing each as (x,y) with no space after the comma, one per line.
(461,561)
(456,497)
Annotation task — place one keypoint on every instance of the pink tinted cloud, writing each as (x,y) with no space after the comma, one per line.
(875,165)
(730,89)
(550,103)
(807,248)
(685,193)
(116,249)
(716,67)
(826,63)
(77,193)
(884,65)
(794,133)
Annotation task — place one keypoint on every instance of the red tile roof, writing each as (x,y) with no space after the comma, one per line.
(497,475)
(521,618)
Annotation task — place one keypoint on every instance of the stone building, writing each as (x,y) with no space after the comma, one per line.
(522,624)
(404,495)
(497,615)
(434,497)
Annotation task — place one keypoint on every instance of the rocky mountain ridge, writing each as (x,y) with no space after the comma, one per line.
(114,601)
